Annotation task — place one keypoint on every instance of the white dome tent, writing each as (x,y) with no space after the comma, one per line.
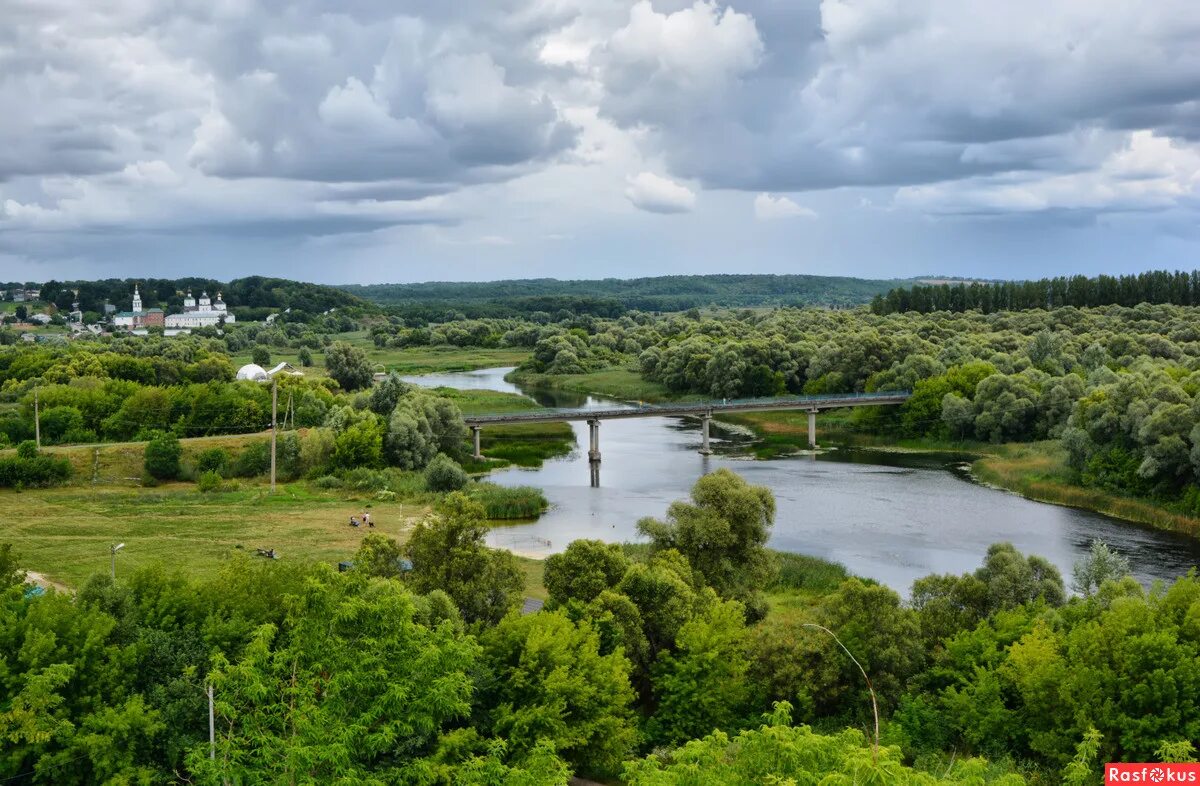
(256,373)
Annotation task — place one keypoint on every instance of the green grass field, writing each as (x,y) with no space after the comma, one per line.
(65,533)
(413,360)
(619,383)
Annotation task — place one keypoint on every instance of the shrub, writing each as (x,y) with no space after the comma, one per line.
(254,460)
(305,357)
(162,456)
(209,481)
(360,445)
(21,472)
(261,356)
(288,456)
(444,474)
(213,460)
(366,479)
(328,482)
(509,502)
(27,449)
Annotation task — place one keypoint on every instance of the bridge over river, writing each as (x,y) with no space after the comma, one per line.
(702,410)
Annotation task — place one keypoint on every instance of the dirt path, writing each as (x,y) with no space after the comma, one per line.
(42,581)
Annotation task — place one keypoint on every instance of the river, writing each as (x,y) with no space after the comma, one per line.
(893,517)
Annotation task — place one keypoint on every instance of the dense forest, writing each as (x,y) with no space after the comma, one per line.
(1119,386)
(1155,286)
(661,664)
(612,296)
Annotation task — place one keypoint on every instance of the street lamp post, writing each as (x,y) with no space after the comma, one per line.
(274,426)
(275,409)
(113,551)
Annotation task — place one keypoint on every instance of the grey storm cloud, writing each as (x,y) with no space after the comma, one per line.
(302,118)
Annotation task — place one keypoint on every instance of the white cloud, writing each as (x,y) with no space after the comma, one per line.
(767,208)
(1147,172)
(657,194)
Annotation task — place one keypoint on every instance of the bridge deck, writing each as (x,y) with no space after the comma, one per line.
(694,409)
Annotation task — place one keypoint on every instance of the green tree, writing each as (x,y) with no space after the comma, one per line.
(379,555)
(348,366)
(161,458)
(360,445)
(584,570)
(702,685)
(448,553)
(722,533)
(349,688)
(305,357)
(385,395)
(1100,565)
(261,356)
(778,752)
(444,474)
(547,680)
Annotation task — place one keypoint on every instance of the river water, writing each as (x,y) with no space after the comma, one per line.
(891,516)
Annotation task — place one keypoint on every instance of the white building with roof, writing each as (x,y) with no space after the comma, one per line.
(202,312)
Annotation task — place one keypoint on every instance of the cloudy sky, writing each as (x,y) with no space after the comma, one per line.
(374,140)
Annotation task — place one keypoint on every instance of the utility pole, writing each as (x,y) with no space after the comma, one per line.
(212,726)
(114,549)
(37,420)
(274,405)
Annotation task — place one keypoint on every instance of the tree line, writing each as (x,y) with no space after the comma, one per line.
(661,664)
(1156,286)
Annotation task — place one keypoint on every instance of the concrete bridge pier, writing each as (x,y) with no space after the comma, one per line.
(594,441)
(705,420)
(812,429)
(475,437)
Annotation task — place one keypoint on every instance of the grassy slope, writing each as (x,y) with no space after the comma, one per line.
(622,383)
(413,360)
(65,533)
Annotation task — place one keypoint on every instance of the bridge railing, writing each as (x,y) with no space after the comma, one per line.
(769,402)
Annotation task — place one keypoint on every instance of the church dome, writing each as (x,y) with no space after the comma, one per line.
(252,371)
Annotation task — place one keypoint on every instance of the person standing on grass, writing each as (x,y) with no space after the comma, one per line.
(366,517)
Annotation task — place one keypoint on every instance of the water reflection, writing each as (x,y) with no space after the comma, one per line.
(891,516)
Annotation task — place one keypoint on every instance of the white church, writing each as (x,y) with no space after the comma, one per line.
(201,312)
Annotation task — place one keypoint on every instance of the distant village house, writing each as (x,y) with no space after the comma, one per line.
(197,313)
(139,318)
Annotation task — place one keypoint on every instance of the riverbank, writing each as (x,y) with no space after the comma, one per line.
(1036,471)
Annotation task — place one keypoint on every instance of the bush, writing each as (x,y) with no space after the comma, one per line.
(253,461)
(328,482)
(360,445)
(213,460)
(209,481)
(366,479)
(27,449)
(509,502)
(444,474)
(22,472)
(261,356)
(305,357)
(162,456)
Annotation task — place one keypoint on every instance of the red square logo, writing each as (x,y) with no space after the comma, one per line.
(1151,773)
